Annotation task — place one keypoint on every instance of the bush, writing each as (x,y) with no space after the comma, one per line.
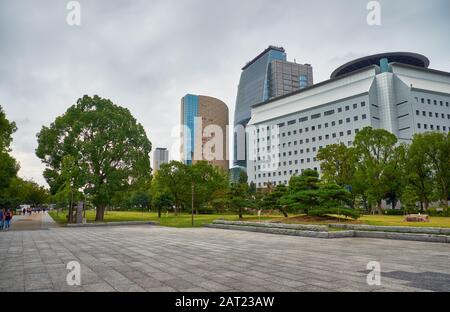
(207,210)
(321,212)
(394,212)
(433,212)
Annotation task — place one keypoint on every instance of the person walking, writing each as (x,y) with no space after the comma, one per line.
(8,218)
(2,218)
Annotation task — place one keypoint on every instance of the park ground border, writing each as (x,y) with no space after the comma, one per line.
(312,231)
(100,224)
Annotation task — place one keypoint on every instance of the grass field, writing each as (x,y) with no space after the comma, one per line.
(399,221)
(184,220)
(380,220)
(180,221)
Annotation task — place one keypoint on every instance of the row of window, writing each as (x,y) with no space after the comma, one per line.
(431,114)
(313,128)
(318,115)
(306,141)
(429,101)
(432,127)
(285,182)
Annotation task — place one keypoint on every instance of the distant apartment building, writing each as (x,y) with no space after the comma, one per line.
(204,134)
(392,91)
(267,76)
(160,157)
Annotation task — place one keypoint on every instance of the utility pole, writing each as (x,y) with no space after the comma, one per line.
(192,203)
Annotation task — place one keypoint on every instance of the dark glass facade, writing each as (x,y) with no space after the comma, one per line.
(267,76)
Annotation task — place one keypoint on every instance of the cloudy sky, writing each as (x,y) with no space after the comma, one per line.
(145,54)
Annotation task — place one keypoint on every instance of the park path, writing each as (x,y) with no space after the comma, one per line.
(36,221)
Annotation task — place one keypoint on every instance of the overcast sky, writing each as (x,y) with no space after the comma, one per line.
(145,55)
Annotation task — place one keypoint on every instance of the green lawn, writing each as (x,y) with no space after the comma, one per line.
(184,220)
(382,220)
(399,221)
(180,221)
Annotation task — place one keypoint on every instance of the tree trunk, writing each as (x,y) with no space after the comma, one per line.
(379,211)
(99,214)
(283,212)
(240,214)
(159,212)
(70,219)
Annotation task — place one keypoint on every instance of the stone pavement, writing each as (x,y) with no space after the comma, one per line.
(153,258)
(35,221)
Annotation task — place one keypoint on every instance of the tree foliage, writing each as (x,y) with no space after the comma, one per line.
(308,194)
(106,145)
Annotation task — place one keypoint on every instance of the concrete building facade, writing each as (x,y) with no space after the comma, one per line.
(160,157)
(204,135)
(392,91)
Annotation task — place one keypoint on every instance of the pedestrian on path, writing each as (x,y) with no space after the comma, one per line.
(8,218)
(2,218)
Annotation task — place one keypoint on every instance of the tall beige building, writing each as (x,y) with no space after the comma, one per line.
(204,136)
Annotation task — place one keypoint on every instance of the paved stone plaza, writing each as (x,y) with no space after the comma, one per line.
(153,258)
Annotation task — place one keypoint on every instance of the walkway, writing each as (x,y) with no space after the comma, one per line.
(153,258)
(36,221)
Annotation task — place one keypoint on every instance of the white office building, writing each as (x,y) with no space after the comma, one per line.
(392,91)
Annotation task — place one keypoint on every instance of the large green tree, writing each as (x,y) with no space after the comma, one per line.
(309,195)
(104,140)
(22,191)
(8,165)
(239,196)
(174,179)
(337,164)
(377,164)
(436,146)
(418,172)
(180,180)
(271,198)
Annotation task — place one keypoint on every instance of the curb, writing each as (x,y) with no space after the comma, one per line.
(111,224)
(228,225)
(272,225)
(396,229)
(281,231)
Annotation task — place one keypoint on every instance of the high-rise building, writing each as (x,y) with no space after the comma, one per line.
(392,91)
(205,130)
(160,156)
(267,76)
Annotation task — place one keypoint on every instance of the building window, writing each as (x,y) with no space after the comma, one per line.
(303,119)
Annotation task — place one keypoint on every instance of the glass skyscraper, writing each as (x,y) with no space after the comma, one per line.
(267,76)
